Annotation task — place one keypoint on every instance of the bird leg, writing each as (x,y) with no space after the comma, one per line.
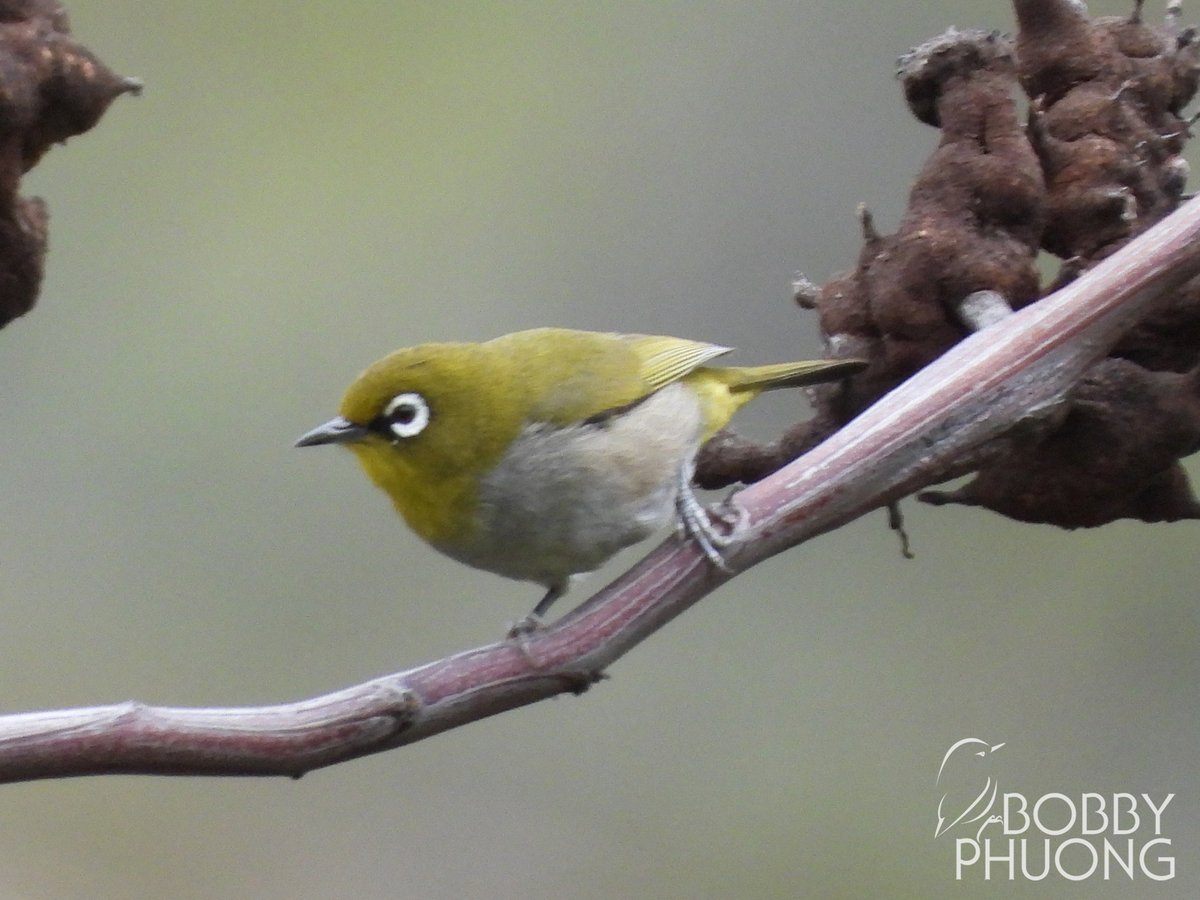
(696,521)
(536,620)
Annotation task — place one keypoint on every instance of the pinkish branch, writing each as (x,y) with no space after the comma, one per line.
(1014,370)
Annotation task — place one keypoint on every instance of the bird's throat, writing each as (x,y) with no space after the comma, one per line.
(439,507)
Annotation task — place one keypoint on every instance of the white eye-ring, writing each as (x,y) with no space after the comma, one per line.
(407,415)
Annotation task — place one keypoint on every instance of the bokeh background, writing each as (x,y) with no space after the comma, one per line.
(304,187)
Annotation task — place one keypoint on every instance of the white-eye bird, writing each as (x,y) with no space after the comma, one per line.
(538,455)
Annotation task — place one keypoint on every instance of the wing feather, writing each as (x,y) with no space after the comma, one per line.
(569,377)
(665,360)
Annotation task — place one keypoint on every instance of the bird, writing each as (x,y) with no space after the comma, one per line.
(540,454)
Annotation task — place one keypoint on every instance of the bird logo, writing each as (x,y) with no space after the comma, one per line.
(968,786)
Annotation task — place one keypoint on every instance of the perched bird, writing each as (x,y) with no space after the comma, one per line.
(538,455)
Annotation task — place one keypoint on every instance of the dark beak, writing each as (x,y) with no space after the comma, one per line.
(335,431)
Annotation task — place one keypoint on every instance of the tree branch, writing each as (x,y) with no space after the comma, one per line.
(51,89)
(915,436)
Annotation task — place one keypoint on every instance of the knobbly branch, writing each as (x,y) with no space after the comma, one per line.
(51,89)
(1098,162)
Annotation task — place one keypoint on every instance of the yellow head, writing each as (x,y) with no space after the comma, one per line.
(425,422)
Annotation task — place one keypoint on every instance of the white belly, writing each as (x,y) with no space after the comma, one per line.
(564,500)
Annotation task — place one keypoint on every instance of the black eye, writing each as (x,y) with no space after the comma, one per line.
(406,415)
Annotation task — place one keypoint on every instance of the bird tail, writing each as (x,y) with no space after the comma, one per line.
(723,391)
(756,379)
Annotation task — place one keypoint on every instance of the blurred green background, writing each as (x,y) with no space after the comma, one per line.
(304,187)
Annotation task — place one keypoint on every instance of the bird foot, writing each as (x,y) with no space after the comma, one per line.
(524,627)
(698,523)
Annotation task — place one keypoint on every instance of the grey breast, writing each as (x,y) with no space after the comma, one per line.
(563,500)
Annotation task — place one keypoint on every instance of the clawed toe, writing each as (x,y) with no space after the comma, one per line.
(523,627)
(697,522)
